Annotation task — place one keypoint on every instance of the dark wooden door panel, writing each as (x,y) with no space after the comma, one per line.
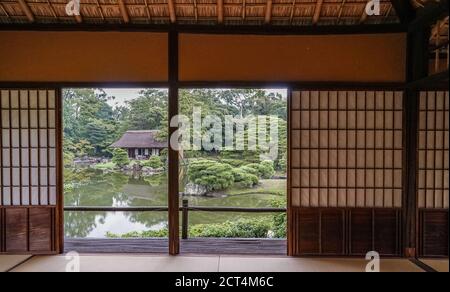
(41,222)
(16,229)
(361,231)
(28,230)
(386,231)
(308,227)
(332,232)
(341,231)
(433,233)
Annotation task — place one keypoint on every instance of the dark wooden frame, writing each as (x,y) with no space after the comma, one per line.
(204,29)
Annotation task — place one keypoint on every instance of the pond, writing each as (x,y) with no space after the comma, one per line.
(114,189)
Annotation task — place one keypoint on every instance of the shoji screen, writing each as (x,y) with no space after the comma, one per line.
(346,172)
(433,176)
(29,177)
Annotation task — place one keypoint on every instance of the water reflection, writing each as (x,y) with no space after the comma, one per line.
(89,187)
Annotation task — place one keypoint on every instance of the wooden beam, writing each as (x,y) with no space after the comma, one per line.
(416,68)
(26,9)
(172,12)
(294,4)
(173,172)
(4,10)
(204,29)
(429,15)
(268,17)
(99,8)
(364,15)
(432,82)
(52,9)
(220,11)
(79,19)
(147,9)
(123,11)
(405,11)
(196,10)
(317,11)
(341,10)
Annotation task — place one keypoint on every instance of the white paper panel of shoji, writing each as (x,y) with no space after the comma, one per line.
(346,149)
(433,192)
(28,147)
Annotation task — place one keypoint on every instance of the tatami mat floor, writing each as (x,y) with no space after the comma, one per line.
(160,263)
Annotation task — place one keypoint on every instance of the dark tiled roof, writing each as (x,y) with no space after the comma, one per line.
(140,139)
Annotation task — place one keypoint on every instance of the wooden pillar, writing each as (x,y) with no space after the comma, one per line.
(417,68)
(174,224)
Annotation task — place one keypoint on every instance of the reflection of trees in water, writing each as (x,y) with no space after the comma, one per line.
(96,188)
(80,224)
(149,219)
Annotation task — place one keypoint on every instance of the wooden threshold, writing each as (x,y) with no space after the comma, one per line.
(207,246)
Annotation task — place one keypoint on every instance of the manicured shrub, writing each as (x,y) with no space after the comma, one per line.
(279,219)
(120,157)
(264,169)
(154,162)
(211,174)
(247,179)
(233,162)
(241,228)
(250,169)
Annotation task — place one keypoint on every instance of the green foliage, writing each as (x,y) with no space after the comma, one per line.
(241,228)
(247,179)
(250,168)
(145,234)
(68,159)
(148,111)
(153,162)
(91,124)
(120,157)
(266,169)
(211,174)
(263,170)
(233,162)
(105,166)
(279,219)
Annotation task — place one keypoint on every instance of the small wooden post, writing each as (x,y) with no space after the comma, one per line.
(185,220)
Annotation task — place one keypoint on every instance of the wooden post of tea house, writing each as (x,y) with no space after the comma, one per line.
(174,223)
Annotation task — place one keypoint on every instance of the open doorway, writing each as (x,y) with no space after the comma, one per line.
(115,163)
(233,168)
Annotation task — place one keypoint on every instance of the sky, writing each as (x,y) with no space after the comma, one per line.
(124,94)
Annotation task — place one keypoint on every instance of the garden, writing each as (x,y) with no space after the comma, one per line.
(98,175)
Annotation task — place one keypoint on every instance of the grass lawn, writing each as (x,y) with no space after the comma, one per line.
(266,186)
(105,166)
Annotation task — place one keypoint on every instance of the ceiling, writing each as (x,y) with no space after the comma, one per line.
(202,12)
